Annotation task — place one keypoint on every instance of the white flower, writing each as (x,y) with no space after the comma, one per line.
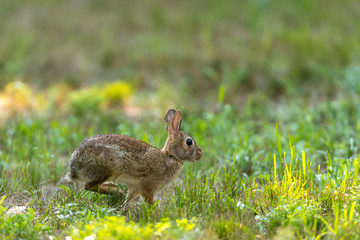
(240,205)
(16,210)
(91,237)
(68,238)
(258,217)
(51,237)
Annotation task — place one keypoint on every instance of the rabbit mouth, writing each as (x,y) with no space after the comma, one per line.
(198,155)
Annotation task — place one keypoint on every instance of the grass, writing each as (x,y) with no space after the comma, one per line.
(257,179)
(269,90)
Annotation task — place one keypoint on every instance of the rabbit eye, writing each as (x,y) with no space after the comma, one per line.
(189,142)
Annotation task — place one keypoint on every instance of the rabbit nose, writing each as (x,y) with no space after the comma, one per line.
(199,154)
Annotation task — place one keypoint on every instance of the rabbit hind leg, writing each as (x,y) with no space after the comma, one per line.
(111,187)
(95,186)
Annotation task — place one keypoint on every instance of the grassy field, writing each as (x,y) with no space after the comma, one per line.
(269,90)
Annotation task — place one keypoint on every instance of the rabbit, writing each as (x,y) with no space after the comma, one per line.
(140,166)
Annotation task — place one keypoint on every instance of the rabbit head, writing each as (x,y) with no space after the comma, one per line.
(179,145)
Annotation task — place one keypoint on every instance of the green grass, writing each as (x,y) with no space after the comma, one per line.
(269,90)
(239,189)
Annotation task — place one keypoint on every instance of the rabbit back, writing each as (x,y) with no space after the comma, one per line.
(113,156)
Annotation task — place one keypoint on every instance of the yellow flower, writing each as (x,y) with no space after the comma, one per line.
(113,227)
(162,226)
(117,91)
(185,224)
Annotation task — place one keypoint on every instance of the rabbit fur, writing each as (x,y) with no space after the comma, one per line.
(140,166)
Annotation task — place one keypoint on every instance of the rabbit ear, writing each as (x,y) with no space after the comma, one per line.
(169,117)
(176,122)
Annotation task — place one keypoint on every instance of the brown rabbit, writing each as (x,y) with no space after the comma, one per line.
(143,168)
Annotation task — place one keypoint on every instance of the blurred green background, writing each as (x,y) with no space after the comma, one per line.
(183,51)
(264,85)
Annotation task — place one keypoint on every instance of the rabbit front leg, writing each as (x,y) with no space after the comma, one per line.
(149,197)
(133,192)
(148,193)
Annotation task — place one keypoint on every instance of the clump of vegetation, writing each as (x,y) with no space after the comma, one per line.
(97,98)
(21,226)
(118,228)
(18,98)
